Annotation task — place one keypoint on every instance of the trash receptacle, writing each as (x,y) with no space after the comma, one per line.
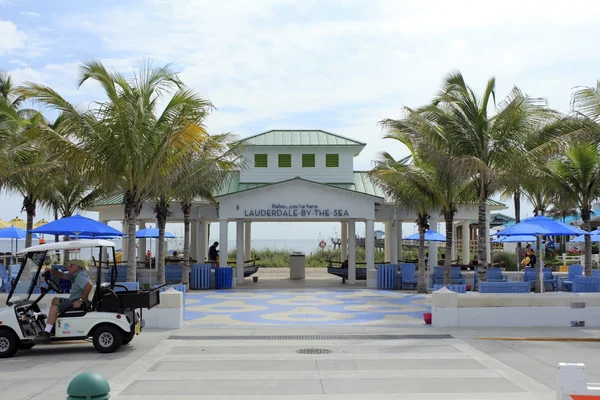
(387,276)
(200,276)
(297,270)
(223,277)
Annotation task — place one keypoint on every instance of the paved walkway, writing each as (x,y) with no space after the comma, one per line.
(304,307)
(245,344)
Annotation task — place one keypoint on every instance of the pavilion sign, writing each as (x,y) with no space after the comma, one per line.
(299,210)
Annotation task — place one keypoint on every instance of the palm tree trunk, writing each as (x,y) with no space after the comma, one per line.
(162,222)
(185,277)
(517,203)
(131,264)
(482,239)
(538,265)
(449,219)
(421,282)
(585,216)
(29,206)
(56,218)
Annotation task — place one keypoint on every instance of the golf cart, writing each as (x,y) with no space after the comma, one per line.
(109,318)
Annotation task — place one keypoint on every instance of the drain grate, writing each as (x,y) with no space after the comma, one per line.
(313,337)
(314,351)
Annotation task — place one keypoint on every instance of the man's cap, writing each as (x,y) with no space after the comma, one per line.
(77,262)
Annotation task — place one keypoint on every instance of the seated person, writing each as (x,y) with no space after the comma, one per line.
(80,288)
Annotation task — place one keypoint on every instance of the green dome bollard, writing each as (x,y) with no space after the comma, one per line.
(88,386)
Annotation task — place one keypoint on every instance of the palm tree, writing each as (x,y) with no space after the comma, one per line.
(448,180)
(125,139)
(410,185)
(487,141)
(206,173)
(577,174)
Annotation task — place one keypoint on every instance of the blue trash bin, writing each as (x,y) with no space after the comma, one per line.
(200,276)
(224,277)
(387,275)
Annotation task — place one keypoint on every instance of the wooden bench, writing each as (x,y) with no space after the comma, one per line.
(504,287)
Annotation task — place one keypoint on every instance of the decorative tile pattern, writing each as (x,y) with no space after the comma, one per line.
(304,307)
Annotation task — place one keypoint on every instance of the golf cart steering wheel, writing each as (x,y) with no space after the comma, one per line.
(51,284)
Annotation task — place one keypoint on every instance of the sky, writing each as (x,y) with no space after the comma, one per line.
(340,66)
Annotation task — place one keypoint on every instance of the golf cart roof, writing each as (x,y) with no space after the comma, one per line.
(69,245)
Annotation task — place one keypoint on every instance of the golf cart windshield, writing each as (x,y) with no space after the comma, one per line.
(28,277)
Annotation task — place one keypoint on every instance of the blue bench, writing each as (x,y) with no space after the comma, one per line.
(530,276)
(454,288)
(494,274)
(121,273)
(586,284)
(504,287)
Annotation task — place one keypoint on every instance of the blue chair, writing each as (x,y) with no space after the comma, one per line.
(550,279)
(408,275)
(495,275)
(454,288)
(5,279)
(128,285)
(438,275)
(173,273)
(456,276)
(529,275)
(575,271)
(586,284)
(596,273)
(14,270)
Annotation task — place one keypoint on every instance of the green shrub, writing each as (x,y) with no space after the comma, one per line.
(504,259)
(319,259)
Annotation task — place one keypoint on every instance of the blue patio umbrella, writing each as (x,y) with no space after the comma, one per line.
(540,226)
(594,236)
(78,225)
(12,232)
(152,233)
(430,236)
(514,239)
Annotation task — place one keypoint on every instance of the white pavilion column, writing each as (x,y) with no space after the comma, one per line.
(399,239)
(488,245)
(247,240)
(223,242)
(433,253)
(393,242)
(454,250)
(206,238)
(142,243)
(466,257)
(239,250)
(352,252)
(386,241)
(344,241)
(194,240)
(370,253)
(202,228)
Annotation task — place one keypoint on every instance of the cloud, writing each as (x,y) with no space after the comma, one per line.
(30,14)
(12,38)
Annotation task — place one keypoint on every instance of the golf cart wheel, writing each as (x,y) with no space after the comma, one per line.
(9,343)
(107,338)
(26,346)
(129,336)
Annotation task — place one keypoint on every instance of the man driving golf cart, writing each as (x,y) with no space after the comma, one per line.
(81,285)
(98,312)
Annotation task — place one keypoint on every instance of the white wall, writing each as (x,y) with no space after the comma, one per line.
(271,174)
(300,200)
